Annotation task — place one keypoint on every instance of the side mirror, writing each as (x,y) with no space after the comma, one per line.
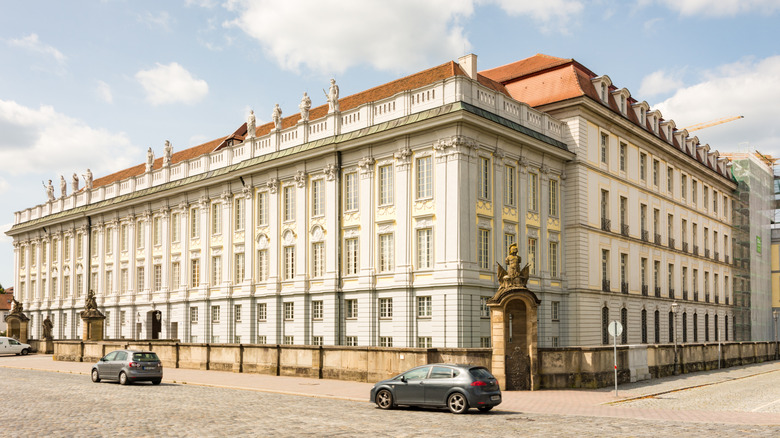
(403,379)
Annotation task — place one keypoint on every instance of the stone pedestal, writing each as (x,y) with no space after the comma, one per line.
(513,327)
(93,325)
(18,326)
(47,346)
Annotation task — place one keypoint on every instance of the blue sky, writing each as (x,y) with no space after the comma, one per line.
(93,84)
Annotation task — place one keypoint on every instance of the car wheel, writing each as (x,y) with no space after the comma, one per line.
(384,399)
(95,376)
(25,351)
(123,378)
(457,403)
(485,408)
(156,381)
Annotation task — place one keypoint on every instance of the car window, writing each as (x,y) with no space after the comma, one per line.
(441,373)
(121,355)
(110,356)
(145,357)
(417,373)
(14,342)
(481,373)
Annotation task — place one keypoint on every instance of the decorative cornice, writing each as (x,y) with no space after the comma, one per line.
(273,185)
(300,178)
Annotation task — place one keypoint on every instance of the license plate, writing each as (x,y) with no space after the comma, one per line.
(495,397)
(149,368)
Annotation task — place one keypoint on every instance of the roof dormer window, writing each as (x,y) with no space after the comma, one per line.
(623,104)
(642,116)
(601,86)
(622,96)
(603,91)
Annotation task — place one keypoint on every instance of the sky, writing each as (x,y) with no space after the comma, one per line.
(93,84)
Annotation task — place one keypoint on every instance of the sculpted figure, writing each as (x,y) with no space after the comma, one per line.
(512,263)
(74,183)
(88,180)
(47,326)
(91,303)
(149,159)
(251,124)
(276,116)
(305,106)
(18,307)
(49,190)
(333,96)
(63,187)
(168,152)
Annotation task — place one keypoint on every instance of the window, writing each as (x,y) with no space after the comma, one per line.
(509,186)
(262,265)
(66,286)
(237,312)
(624,322)
(194,223)
(655,172)
(643,271)
(289,262)
(706,196)
(140,234)
(623,215)
(424,307)
(157,230)
(484,310)
(240,213)
(139,278)
(483,249)
(318,259)
(657,274)
(289,203)
(604,206)
(684,186)
(318,197)
(316,340)
(289,311)
(262,208)
(669,180)
(555,308)
(215,314)
(262,311)
(66,242)
(351,308)
(424,237)
(532,255)
(509,239)
(216,270)
(643,166)
(289,340)
(316,309)
(424,342)
(386,185)
(643,219)
(605,265)
(553,197)
(605,325)
(424,178)
(484,342)
(239,268)
(351,195)
(195,272)
(533,191)
(552,259)
(385,252)
(216,218)
(624,270)
(79,248)
(644,326)
(93,247)
(175,226)
(623,153)
(157,277)
(175,275)
(725,213)
(484,178)
(715,202)
(351,341)
(604,147)
(385,307)
(123,281)
(694,189)
(385,341)
(351,256)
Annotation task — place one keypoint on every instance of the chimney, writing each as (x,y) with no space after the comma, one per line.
(469,64)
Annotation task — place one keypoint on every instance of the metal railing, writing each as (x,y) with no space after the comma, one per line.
(624,288)
(685,246)
(645,235)
(644,290)
(658,291)
(606,225)
(657,238)
(671,242)
(624,230)
(605,286)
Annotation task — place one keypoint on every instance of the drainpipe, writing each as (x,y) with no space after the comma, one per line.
(339,291)
(89,254)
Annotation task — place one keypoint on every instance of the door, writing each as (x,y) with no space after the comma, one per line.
(410,390)
(14,346)
(104,365)
(518,364)
(156,324)
(117,363)
(438,384)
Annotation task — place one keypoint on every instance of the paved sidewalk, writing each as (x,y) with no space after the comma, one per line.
(597,403)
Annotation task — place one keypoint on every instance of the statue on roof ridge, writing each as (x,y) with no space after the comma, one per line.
(63,187)
(276,116)
(49,190)
(74,183)
(333,96)
(305,106)
(149,159)
(168,152)
(251,125)
(88,180)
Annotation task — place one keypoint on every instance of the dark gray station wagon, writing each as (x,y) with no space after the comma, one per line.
(458,387)
(127,366)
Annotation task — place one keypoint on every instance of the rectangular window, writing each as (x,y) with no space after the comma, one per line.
(484,342)
(533,191)
(175,275)
(216,218)
(194,223)
(484,310)
(604,147)
(532,255)
(80,284)
(351,308)
(623,268)
(643,271)
(385,341)
(54,249)
(655,172)
(351,256)
(93,247)
(553,197)
(139,279)
(386,254)
(289,203)
(643,166)
(715,202)
(424,238)
(316,309)
(79,248)
(237,312)
(157,228)
(262,265)
(123,237)
(351,341)
(555,307)
(509,186)
(65,287)
(109,236)
(195,273)
(215,314)
(66,245)
(694,189)
(216,270)
(424,307)
(289,262)
(509,239)
(706,196)
(240,213)
(316,340)
(240,269)
(175,227)
(386,185)
(483,249)
(351,189)
(424,342)
(670,180)
(157,278)
(318,197)
(553,259)
(140,231)
(623,153)
(605,265)
(318,259)
(262,208)
(262,311)
(289,311)
(424,177)
(123,280)
(385,307)
(684,186)
(604,206)
(484,178)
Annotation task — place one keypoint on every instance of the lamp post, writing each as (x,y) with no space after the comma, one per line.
(674,312)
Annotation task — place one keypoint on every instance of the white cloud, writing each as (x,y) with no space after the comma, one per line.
(721,8)
(170,84)
(329,37)
(33,43)
(201,3)
(160,20)
(549,14)
(104,92)
(748,88)
(3,185)
(660,82)
(44,141)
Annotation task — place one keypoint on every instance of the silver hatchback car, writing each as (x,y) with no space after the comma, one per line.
(127,366)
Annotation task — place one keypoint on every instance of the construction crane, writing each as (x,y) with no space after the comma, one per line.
(698,126)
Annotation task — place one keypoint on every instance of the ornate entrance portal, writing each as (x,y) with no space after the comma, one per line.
(513,326)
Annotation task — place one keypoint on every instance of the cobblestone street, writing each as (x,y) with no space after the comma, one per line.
(44,403)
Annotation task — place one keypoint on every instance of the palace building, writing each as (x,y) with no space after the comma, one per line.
(378,219)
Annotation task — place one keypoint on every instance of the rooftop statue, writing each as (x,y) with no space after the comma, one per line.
(18,307)
(88,180)
(168,152)
(333,96)
(63,187)
(149,160)
(49,190)
(305,106)
(276,116)
(251,125)
(74,183)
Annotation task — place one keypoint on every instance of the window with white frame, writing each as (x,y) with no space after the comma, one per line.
(424,307)
(317,309)
(175,275)
(555,309)
(216,218)
(531,255)
(386,184)
(385,341)
(289,340)
(351,341)
(317,197)
(424,177)
(215,314)
(385,252)
(604,148)
(351,191)
(385,307)
(262,311)
(262,208)
(318,259)
(484,342)
(669,179)
(262,265)
(424,342)
(194,223)
(140,231)
(79,248)
(484,178)
(175,227)
(109,236)
(66,242)
(643,166)
(623,154)
(157,270)
(289,262)
(483,249)
(240,213)
(351,256)
(552,259)
(93,247)
(694,191)
(351,308)
(509,186)
(316,340)
(239,268)
(684,186)
(289,311)
(553,211)
(424,247)
(289,203)
(484,310)
(216,270)
(139,279)
(237,312)
(194,272)
(533,191)
(123,280)
(157,230)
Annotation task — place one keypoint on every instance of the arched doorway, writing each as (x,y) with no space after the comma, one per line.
(513,320)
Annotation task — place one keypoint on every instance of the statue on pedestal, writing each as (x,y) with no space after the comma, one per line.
(305,106)
(88,180)
(47,327)
(74,183)
(251,125)
(18,307)
(167,153)
(63,187)
(149,160)
(512,277)
(333,96)
(49,190)
(276,116)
